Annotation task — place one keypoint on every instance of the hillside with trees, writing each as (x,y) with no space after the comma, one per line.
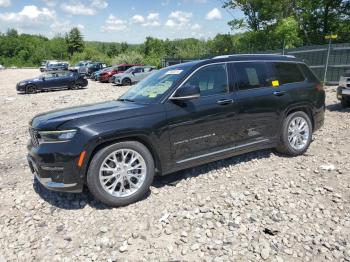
(266,25)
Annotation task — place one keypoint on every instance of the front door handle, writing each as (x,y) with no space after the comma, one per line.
(279,93)
(224,102)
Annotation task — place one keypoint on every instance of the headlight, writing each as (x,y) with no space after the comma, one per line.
(21,83)
(56,136)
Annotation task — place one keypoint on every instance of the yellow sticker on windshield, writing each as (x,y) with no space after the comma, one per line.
(275,83)
(152,95)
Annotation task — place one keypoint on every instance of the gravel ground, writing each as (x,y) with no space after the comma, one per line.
(255,207)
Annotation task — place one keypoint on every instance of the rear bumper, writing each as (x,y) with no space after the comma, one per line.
(319,118)
(55,170)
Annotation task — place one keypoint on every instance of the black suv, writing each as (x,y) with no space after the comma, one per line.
(179,117)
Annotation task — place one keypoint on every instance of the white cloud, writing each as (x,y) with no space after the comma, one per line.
(178,19)
(138,19)
(196,27)
(30,14)
(213,14)
(101,4)
(114,24)
(77,8)
(5,3)
(152,20)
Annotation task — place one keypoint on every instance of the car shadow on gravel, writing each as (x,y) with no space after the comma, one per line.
(71,201)
(51,91)
(173,179)
(337,108)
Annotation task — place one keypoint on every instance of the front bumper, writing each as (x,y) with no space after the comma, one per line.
(55,169)
(20,88)
(118,81)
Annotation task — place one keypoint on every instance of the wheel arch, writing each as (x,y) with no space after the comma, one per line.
(31,84)
(303,108)
(144,140)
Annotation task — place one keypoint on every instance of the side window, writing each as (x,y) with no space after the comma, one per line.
(249,75)
(287,73)
(211,80)
(138,70)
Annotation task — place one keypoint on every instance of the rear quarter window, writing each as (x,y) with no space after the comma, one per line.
(287,73)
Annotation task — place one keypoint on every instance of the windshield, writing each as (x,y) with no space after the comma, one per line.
(154,86)
(129,70)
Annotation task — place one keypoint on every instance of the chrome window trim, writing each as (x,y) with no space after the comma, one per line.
(227,62)
(195,71)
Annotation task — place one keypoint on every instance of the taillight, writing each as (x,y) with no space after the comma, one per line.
(319,87)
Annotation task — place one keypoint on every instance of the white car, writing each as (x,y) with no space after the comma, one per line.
(133,75)
(2,67)
(343,90)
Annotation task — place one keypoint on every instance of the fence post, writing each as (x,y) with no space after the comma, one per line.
(327,61)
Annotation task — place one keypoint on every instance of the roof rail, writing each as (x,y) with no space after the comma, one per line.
(227,56)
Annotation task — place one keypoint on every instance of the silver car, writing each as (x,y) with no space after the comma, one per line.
(133,75)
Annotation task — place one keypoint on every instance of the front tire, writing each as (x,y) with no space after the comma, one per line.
(296,134)
(31,89)
(126,82)
(121,174)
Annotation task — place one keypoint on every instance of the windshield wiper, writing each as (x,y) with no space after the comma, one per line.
(125,100)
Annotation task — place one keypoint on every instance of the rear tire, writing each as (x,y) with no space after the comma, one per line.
(126,82)
(296,134)
(31,89)
(127,166)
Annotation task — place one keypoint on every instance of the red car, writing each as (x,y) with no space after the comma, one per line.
(105,76)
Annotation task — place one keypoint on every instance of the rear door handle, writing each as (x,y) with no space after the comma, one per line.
(224,102)
(279,93)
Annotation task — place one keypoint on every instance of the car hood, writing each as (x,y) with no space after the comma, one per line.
(86,114)
(30,80)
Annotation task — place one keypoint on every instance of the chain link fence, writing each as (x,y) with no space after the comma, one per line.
(315,56)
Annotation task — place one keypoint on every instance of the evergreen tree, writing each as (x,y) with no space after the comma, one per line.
(75,41)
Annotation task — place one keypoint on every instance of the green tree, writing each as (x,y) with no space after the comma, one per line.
(75,41)
(288,32)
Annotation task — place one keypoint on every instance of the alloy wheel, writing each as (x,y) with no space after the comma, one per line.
(298,133)
(122,172)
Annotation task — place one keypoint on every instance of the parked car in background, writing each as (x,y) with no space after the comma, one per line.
(179,117)
(343,90)
(78,65)
(57,66)
(51,81)
(94,76)
(2,67)
(105,76)
(133,75)
(91,68)
(83,70)
(43,66)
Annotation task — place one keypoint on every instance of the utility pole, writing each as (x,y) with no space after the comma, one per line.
(284,43)
(329,37)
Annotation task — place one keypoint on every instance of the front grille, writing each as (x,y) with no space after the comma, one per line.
(34,135)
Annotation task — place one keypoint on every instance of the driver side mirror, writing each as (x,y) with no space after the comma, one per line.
(186,93)
(43,78)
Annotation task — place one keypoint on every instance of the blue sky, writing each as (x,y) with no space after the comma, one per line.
(118,20)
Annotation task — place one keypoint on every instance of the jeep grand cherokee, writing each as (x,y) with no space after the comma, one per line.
(179,117)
